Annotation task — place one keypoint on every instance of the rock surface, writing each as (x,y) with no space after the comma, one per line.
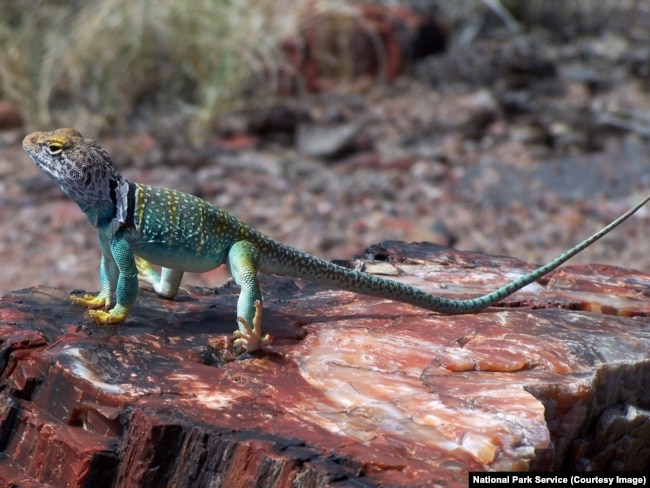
(354,391)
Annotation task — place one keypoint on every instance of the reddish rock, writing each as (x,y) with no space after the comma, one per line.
(366,40)
(353,389)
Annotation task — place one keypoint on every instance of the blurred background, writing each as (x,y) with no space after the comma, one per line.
(509,127)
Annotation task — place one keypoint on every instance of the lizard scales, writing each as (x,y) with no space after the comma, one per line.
(140,224)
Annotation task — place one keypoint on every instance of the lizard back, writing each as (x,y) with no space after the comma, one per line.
(178,230)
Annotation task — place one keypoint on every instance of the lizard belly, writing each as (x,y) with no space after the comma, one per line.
(178,258)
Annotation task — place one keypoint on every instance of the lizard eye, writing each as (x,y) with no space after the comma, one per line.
(54,147)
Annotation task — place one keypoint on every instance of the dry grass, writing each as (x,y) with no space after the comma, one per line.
(180,63)
(105,61)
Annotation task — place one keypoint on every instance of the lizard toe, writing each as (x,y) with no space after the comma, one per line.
(89,301)
(249,338)
(114,316)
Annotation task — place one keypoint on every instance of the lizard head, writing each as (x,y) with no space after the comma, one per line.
(82,169)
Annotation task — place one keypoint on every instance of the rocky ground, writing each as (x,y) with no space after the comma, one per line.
(519,144)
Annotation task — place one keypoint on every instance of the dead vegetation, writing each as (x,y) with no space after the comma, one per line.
(100,63)
(108,63)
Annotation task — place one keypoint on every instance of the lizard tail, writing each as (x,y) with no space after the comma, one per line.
(283,259)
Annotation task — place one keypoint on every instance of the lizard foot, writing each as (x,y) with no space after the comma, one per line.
(90,301)
(114,316)
(250,338)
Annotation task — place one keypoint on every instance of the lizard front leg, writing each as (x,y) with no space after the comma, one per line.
(108,275)
(243,263)
(121,273)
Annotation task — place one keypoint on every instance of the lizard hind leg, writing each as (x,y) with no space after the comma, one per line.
(165,283)
(243,263)
(146,271)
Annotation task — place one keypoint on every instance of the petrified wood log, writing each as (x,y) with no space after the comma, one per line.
(354,391)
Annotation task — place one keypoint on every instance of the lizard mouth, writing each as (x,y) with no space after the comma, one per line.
(36,157)
(42,162)
(29,145)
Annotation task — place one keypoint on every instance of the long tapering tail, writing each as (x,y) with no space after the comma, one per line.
(286,260)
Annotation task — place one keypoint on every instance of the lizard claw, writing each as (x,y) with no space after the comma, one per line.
(90,301)
(249,338)
(94,303)
(114,316)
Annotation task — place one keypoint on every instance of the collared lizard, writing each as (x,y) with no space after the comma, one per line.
(138,225)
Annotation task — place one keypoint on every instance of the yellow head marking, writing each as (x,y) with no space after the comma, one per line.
(81,168)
